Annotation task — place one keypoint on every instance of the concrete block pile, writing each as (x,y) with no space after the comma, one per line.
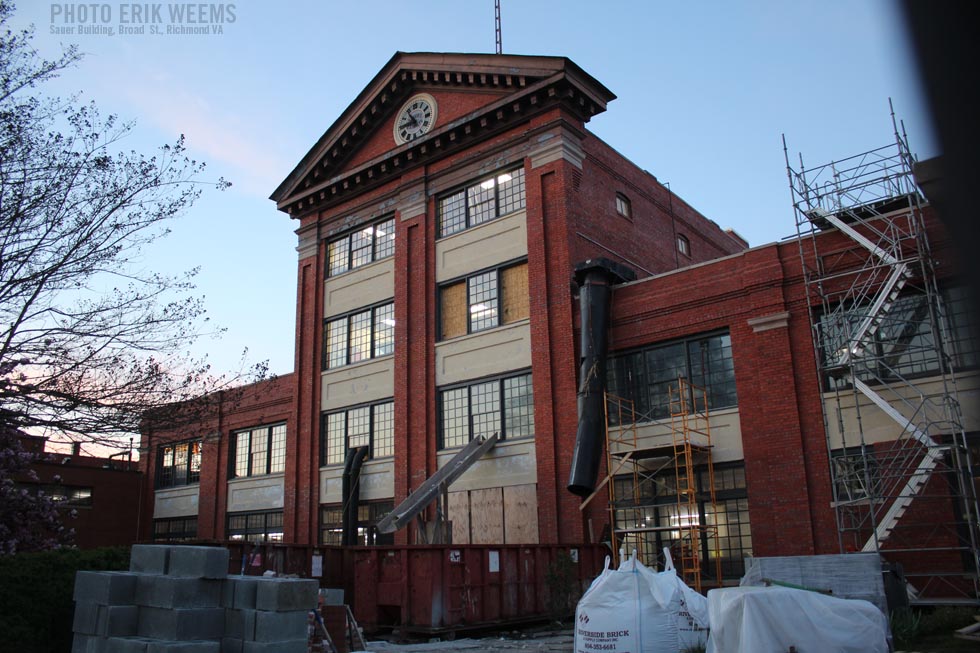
(180,599)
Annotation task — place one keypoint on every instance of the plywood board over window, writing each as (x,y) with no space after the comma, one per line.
(453,310)
(487,516)
(521,514)
(515,293)
(459,515)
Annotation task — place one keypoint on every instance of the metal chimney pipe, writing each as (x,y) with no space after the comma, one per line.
(595,278)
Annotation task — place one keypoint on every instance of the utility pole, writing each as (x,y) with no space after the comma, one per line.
(496,7)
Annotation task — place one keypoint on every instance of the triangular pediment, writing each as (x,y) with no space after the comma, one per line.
(476,94)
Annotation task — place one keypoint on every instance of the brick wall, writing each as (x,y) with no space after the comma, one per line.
(266,402)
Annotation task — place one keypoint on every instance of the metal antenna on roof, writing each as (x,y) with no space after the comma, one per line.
(496,10)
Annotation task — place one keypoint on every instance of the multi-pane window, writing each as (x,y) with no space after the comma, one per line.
(653,507)
(903,343)
(368,516)
(255,526)
(178,529)
(260,450)
(371,243)
(360,336)
(372,426)
(482,201)
(504,406)
(683,245)
(64,496)
(623,206)
(483,301)
(646,376)
(179,464)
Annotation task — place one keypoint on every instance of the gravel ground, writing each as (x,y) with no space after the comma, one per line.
(543,642)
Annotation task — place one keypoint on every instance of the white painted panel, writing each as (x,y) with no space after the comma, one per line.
(358,383)
(482,246)
(726,435)
(377,481)
(331,479)
(508,463)
(495,351)
(176,502)
(255,493)
(879,427)
(363,286)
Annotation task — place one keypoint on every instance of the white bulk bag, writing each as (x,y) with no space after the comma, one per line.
(689,609)
(634,609)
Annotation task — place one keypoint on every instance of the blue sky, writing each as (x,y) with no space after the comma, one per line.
(705,90)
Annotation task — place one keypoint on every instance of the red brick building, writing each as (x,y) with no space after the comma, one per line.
(440,222)
(99,498)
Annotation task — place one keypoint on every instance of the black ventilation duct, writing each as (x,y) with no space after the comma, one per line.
(595,278)
(350,493)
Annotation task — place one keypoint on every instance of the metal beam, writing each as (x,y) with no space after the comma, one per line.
(426,493)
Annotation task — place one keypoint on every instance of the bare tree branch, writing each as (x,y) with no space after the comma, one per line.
(90,345)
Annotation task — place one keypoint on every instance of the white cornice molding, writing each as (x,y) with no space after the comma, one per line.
(557,147)
(767,322)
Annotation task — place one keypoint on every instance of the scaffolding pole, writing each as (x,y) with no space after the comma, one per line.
(636,465)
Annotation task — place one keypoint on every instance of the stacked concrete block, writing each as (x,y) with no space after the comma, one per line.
(179,599)
(268,614)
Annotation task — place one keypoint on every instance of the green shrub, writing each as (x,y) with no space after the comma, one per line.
(561,581)
(36,607)
(906,626)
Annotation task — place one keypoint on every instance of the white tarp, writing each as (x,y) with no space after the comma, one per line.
(764,619)
(635,609)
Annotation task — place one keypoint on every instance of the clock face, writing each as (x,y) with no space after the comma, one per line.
(415,118)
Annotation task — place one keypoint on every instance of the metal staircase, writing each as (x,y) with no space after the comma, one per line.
(881,334)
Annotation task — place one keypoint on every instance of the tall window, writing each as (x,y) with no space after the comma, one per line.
(356,427)
(654,507)
(644,376)
(260,450)
(263,526)
(359,336)
(371,243)
(504,406)
(481,202)
(903,345)
(368,516)
(483,301)
(179,464)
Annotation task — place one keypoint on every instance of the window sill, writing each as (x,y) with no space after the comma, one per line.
(257,477)
(351,366)
(477,334)
(366,463)
(359,268)
(178,489)
(500,444)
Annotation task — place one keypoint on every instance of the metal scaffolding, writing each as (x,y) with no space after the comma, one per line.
(900,462)
(637,469)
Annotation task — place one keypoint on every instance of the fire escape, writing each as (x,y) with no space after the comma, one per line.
(900,463)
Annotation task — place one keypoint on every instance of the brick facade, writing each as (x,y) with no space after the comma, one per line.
(535,116)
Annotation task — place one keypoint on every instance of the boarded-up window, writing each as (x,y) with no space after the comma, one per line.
(484,300)
(513,283)
(453,310)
